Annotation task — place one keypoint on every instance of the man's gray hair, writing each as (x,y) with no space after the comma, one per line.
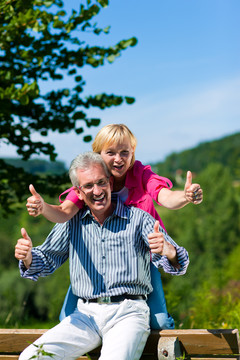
(84,161)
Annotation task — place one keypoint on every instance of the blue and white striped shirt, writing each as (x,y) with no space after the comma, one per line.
(105,260)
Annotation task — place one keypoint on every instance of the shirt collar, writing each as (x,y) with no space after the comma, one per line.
(121,210)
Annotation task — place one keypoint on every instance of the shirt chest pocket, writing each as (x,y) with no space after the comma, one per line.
(120,240)
(125,246)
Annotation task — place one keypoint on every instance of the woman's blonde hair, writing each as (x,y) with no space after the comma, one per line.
(114,133)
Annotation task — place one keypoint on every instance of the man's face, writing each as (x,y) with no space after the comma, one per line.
(95,189)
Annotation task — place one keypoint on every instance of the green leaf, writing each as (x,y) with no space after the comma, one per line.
(87,138)
(58,24)
(103,3)
(78,78)
(48,3)
(129,100)
(72,72)
(66,92)
(111,58)
(106,30)
(95,122)
(79,130)
(78,115)
(24,99)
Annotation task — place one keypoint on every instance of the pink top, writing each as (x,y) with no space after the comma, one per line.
(143,187)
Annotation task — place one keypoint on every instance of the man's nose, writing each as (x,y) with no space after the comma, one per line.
(97,189)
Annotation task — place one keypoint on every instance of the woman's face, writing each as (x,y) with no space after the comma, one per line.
(118,158)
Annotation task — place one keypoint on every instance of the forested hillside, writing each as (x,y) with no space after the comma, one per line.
(38,166)
(207,296)
(225,151)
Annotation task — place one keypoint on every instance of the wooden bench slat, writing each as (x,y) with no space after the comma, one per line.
(12,340)
(15,341)
(196,343)
(207,342)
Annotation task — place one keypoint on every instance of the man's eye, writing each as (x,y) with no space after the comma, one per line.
(102,182)
(88,186)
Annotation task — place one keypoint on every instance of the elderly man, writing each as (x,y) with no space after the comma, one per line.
(108,245)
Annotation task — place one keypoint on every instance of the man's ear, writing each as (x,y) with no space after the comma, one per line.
(78,193)
(111,180)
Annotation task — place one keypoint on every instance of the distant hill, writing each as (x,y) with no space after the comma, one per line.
(225,151)
(38,166)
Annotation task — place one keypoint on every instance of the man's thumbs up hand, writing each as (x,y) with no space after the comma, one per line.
(159,245)
(156,240)
(23,248)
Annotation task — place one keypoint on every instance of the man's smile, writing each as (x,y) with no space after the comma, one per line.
(98,198)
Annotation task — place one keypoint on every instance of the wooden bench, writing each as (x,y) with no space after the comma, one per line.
(163,345)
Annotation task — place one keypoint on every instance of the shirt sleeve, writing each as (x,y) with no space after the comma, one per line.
(163,262)
(153,183)
(49,256)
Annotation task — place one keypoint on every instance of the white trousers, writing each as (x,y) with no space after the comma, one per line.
(121,328)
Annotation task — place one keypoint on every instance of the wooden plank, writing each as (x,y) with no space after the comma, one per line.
(15,341)
(15,357)
(206,341)
(195,342)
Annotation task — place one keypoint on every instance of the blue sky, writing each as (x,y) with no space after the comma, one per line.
(184,73)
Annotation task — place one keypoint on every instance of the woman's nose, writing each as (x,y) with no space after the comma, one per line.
(117,157)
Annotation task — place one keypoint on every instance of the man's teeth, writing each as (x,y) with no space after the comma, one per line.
(98,198)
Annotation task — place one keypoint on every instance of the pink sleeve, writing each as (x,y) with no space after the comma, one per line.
(153,183)
(72,196)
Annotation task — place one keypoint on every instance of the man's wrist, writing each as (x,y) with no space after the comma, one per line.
(28,262)
(172,254)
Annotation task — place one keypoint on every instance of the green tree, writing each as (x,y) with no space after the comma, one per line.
(209,231)
(40,42)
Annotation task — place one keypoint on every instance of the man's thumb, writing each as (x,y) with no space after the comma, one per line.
(188,179)
(156,226)
(25,234)
(33,191)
